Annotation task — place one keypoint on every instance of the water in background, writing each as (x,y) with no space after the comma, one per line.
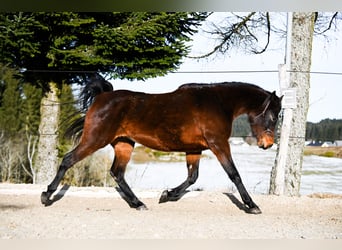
(319,174)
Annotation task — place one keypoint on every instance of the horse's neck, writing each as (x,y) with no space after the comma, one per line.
(242,100)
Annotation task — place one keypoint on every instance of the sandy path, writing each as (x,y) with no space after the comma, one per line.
(101,213)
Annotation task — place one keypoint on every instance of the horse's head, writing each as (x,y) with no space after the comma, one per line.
(264,119)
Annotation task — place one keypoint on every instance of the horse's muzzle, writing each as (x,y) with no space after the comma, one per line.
(265,146)
(266,140)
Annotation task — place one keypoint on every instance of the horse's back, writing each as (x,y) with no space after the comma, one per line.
(168,122)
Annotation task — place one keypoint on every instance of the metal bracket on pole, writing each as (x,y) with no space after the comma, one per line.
(287,103)
(290,98)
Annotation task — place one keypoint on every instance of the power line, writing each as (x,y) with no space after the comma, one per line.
(226,72)
(256,71)
(198,72)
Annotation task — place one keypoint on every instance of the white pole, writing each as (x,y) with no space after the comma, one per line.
(277,185)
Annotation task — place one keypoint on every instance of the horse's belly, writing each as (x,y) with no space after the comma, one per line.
(184,142)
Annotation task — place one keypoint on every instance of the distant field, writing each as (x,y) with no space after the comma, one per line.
(143,154)
(327,152)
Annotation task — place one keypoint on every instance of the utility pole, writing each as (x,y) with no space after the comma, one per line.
(294,85)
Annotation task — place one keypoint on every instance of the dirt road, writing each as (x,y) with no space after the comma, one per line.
(100,213)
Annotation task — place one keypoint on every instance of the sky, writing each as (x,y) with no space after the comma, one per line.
(325,90)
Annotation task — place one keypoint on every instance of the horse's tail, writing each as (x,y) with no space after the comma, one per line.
(94,86)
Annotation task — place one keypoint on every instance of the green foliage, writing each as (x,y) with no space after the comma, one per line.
(19,105)
(30,103)
(19,43)
(19,121)
(328,154)
(145,44)
(10,103)
(65,46)
(68,113)
(241,127)
(325,130)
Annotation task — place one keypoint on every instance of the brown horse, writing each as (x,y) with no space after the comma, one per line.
(191,119)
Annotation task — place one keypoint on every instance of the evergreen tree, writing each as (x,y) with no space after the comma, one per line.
(241,127)
(2,82)
(10,104)
(10,149)
(67,115)
(325,130)
(65,46)
(30,104)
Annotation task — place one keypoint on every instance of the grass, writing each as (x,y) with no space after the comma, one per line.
(324,151)
(144,154)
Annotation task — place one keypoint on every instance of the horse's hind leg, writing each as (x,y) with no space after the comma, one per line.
(192,163)
(123,151)
(79,153)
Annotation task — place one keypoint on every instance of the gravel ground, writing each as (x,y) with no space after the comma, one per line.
(86,213)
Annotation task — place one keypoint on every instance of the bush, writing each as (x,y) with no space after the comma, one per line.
(328,154)
(92,171)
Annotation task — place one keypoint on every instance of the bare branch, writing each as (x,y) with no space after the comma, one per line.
(319,23)
(268,35)
(25,169)
(252,32)
(30,151)
(229,35)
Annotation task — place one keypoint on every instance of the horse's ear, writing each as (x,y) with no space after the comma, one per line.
(273,94)
(275,97)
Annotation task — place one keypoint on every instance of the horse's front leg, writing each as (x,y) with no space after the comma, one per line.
(192,163)
(123,151)
(223,154)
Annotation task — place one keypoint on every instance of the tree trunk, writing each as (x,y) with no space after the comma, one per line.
(301,49)
(47,152)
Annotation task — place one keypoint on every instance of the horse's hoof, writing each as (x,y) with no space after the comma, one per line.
(44,198)
(142,208)
(164,197)
(254,210)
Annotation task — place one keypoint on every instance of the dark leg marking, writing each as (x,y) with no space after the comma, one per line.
(192,163)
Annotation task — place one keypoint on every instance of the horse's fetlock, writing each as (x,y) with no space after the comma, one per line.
(191,181)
